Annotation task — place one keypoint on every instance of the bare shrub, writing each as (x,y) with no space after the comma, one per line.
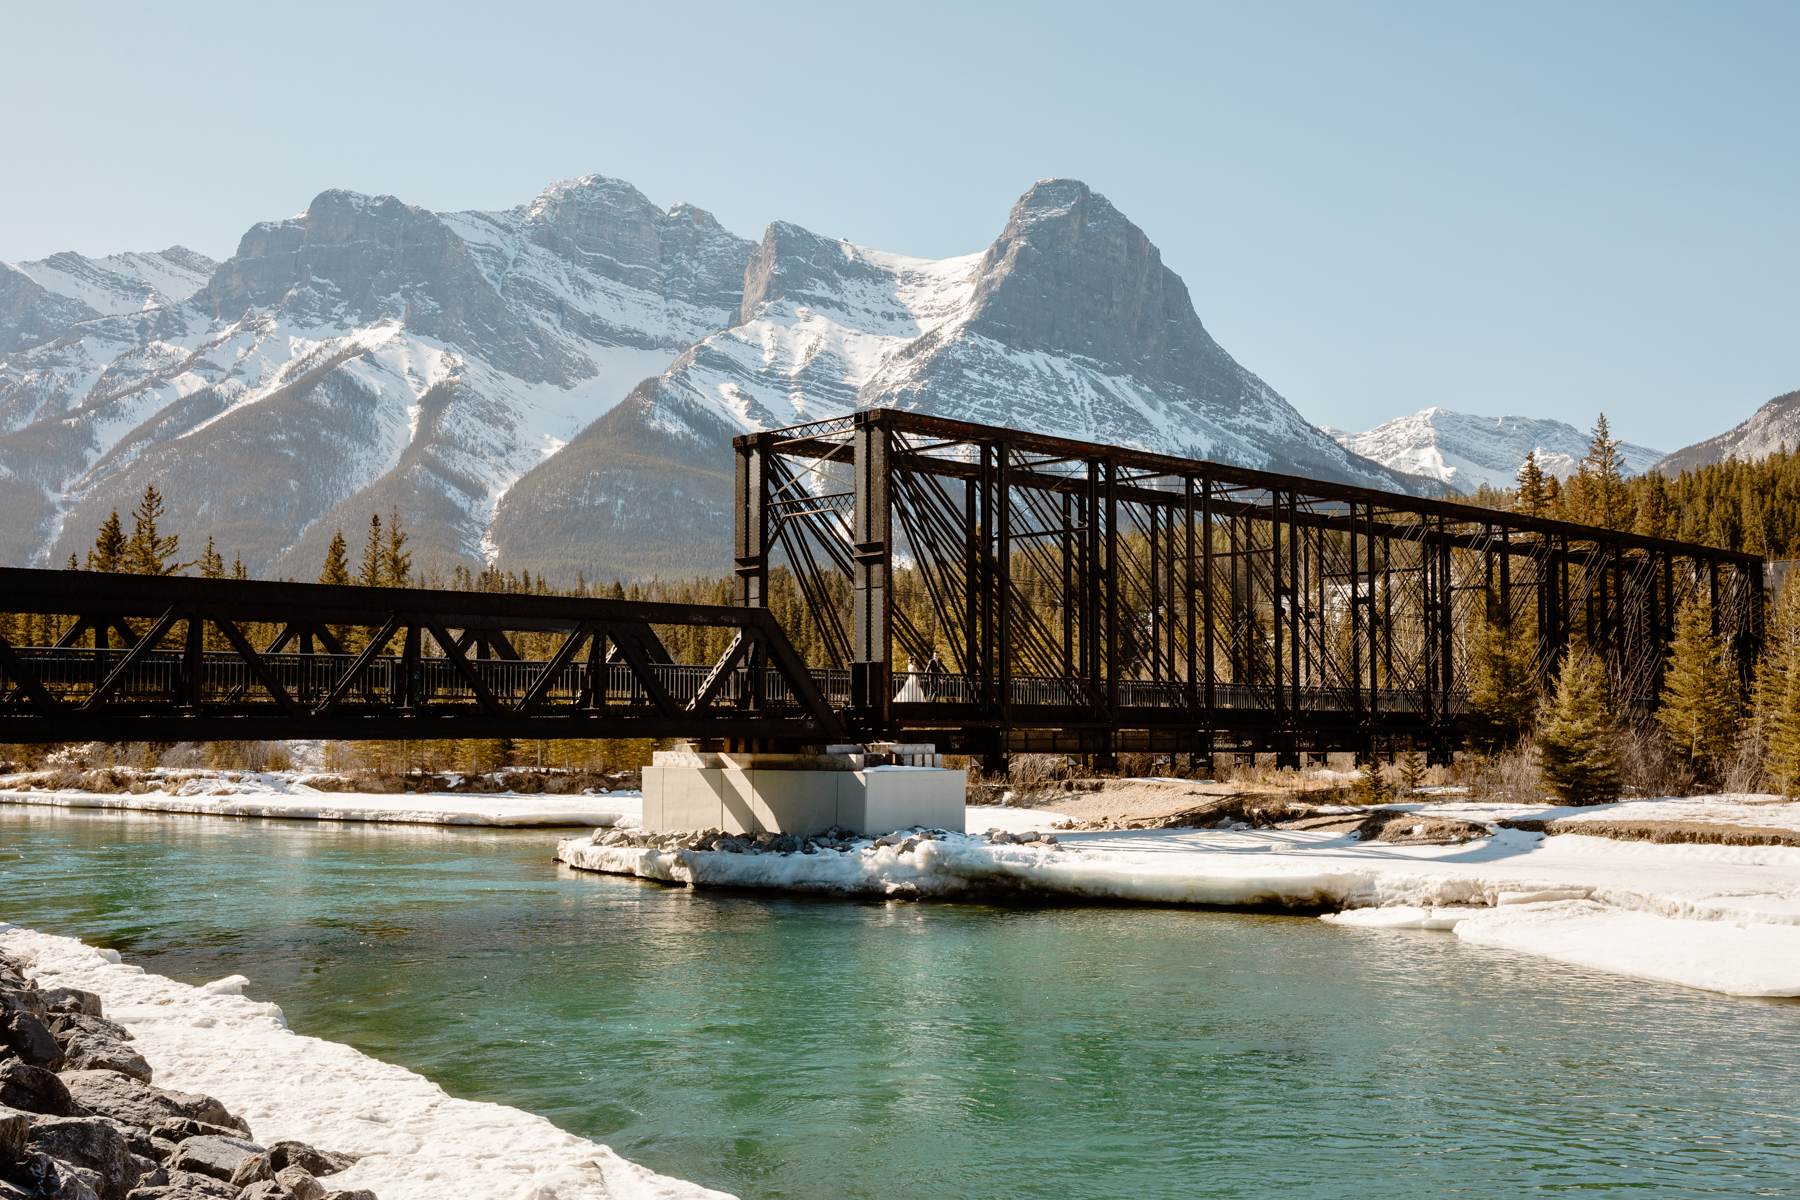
(1646,766)
(1743,770)
(1511,776)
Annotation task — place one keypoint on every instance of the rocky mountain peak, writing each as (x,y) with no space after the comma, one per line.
(613,230)
(795,264)
(1070,274)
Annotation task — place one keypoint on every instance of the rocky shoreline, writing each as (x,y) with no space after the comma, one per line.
(81,1119)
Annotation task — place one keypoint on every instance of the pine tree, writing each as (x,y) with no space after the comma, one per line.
(396,559)
(371,575)
(148,552)
(1600,480)
(238,569)
(337,561)
(1412,773)
(1654,518)
(1371,786)
(1532,499)
(1699,708)
(108,553)
(1778,693)
(212,563)
(1576,738)
(1503,690)
(73,565)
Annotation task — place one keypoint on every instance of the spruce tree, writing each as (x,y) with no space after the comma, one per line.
(108,553)
(1778,693)
(1503,690)
(337,561)
(149,552)
(371,575)
(1412,773)
(1600,481)
(1532,499)
(396,559)
(1654,517)
(212,563)
(238,569)
(1699,709)
(1576,738)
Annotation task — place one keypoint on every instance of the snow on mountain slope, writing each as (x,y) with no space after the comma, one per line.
(121,283)
(363,356)
(1774,426)
(1466,451)
(1069,323)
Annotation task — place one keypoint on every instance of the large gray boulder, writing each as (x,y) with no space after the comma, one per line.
(96,1050)
(92,1144)
(26,1035)
(35,1090)
(220,1157)
(110,1094)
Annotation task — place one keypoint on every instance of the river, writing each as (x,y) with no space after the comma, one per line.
(789,1047)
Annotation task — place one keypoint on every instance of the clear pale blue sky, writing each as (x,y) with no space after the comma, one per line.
(1546,209)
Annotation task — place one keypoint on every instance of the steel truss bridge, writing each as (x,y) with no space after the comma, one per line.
(987,589)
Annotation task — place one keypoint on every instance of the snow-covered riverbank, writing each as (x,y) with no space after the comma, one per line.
(1723,918)
(414,1141)
(285,796)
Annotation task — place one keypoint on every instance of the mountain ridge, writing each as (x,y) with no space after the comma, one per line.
(1465,451)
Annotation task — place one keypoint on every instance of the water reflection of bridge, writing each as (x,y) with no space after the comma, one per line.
(1046,594)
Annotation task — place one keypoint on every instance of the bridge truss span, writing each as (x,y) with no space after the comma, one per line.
(104,657)
(994,589)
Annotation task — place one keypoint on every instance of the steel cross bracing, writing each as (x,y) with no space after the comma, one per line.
(103,657)
(996,590)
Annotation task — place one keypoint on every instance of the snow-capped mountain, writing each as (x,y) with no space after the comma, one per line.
(1774,426)
(1069,323)
(39,300)
(1466,451)
(555,386)
(363,356)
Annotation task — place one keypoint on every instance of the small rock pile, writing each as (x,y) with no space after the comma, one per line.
(837,838)
(80,1119)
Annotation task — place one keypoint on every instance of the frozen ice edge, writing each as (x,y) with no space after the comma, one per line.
(416,1141)
(1718,918)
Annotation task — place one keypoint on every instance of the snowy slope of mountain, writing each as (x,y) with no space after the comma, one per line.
(1068,323)
(40,300)
(363,356)
(1774,426)
(1466,451)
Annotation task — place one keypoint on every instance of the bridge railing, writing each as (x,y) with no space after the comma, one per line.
(75,673)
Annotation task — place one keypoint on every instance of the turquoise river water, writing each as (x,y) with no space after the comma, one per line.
(785,1047)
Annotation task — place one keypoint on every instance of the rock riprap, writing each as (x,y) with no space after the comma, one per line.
(82,1119)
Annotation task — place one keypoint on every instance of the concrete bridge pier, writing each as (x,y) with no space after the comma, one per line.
(869,789)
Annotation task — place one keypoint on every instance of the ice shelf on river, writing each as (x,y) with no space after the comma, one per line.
(415,1141)
(1722,918)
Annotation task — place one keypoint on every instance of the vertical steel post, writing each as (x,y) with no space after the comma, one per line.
(751,524)
(871,645)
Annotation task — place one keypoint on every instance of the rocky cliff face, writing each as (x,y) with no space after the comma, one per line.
(1774,426)
(555,386)
(1465,451)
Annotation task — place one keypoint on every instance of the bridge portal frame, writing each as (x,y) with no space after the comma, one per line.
(1053,594)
